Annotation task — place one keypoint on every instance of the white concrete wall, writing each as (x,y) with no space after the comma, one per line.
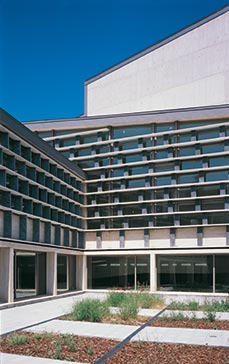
(29,229)
(192,70)
(214,236)
(134,239)
(160,238)
(15,226)
(186,237)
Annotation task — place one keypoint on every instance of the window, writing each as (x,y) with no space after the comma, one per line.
(185,273)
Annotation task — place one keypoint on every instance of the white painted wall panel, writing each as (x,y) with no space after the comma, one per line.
(134,239)
(214,236)
(186,237)
(15,226)
(189,71)
(160,238)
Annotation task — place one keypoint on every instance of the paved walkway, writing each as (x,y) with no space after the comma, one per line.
(22,316)
(151,334)
(32,314)
(21,359)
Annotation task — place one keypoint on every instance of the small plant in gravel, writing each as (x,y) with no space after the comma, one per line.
(115,298)
(90,351)
(58,347)
(90,310)
(67,340)
(210,315)
(17,340)
(128,310)
(174,317)
(37,336)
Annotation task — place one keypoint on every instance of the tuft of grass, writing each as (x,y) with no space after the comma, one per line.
(115,298)
(90,350)
(90,310)
(37,336)
(128,310)
(190,306)
(68,341)
(17,339)
(147,300)
(142,299)
(210,315)
(58,348)
(174,317)
(217,306)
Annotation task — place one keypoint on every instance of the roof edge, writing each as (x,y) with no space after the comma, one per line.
(158,44)
(29,136)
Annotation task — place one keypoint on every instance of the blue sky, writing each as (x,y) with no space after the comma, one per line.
(49,47)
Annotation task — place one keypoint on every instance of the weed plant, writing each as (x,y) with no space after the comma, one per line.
(68,341)
(189,306)
(90,350)
(17,340)
(217,306)
(128,310)
(90,310)
(147,300)
(58,347)
(174,317)
(115,298)
(210,315)
(141,299)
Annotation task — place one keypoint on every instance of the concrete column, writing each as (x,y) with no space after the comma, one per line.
(7,275)
(81,272)
(51,276)
(153,273)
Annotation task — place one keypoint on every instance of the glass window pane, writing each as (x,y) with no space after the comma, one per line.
(131,131)
(212,148)
(25,274)
(143,272)
(222,273)
(216,176)
(185,273)
(62,276)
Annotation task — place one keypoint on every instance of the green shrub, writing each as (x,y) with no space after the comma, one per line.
(174,317)
(147,300)
(217,306)
(90,350)
(68,341)
(115,298)
(192,306)
(58,354)
(128,310)
(17,339)
(210,315)
(90,310)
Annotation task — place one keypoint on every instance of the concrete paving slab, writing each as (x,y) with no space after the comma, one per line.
(19,317)
(152,334)
(109,331)
(184,336)
(21,359)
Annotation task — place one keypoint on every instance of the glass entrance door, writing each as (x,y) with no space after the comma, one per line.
(25,274)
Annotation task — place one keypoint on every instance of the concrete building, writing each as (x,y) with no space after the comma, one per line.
(151,156)
(41,217)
